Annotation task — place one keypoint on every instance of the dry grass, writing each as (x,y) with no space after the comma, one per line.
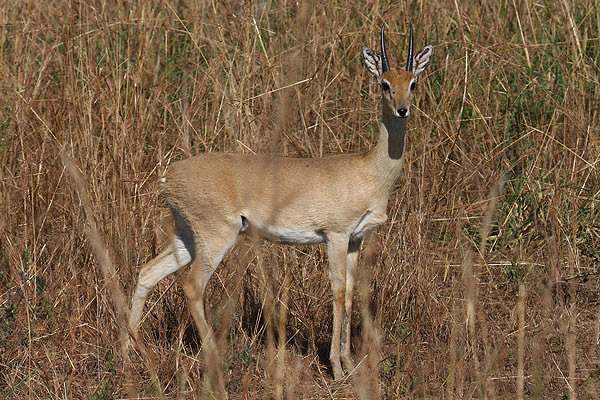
(462,294)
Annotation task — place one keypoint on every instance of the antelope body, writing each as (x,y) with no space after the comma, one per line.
(336,199)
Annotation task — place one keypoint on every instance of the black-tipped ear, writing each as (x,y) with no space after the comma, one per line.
(422,60)
(373,62)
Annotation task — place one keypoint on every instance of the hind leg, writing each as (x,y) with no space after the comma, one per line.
(181,252)
(175,256)
(202,268)
(204,265)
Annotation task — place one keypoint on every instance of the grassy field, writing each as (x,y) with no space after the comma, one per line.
(485,282)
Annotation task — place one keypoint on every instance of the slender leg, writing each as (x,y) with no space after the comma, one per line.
(179,253)
(351,262)
(209,256)
(337,249)
(194,287)
(175,256)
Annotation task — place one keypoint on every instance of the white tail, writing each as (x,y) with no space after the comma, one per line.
(336,199)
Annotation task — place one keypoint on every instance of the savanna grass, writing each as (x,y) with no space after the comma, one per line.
(485,282)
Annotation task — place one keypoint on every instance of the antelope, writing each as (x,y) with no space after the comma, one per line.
(336,199)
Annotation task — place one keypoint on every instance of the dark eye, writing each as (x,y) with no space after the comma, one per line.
(413,86)
(385,86)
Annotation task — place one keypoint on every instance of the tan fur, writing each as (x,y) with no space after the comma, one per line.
(338,199)
(400,82)
(273,190)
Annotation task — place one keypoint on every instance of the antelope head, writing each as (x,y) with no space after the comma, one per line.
(398,86)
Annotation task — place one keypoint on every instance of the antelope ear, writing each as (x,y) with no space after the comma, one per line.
(373,62)
(422,60)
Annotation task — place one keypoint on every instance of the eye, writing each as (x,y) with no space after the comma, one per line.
(413,86)
(385,86)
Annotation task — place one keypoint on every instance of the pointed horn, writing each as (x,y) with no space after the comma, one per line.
(409,61)
(385,65)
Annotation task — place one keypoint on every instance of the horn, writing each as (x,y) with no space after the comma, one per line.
(409,61)
(385,64)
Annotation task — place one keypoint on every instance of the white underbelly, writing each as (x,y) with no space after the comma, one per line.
(287,235)
(280,234)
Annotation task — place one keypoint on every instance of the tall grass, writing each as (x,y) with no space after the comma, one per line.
(472,289)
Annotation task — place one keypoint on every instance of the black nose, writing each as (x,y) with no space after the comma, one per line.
(403,112)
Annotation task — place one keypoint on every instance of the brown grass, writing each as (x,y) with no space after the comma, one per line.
(472,289)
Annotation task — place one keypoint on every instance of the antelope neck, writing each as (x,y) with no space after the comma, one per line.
(396,129)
